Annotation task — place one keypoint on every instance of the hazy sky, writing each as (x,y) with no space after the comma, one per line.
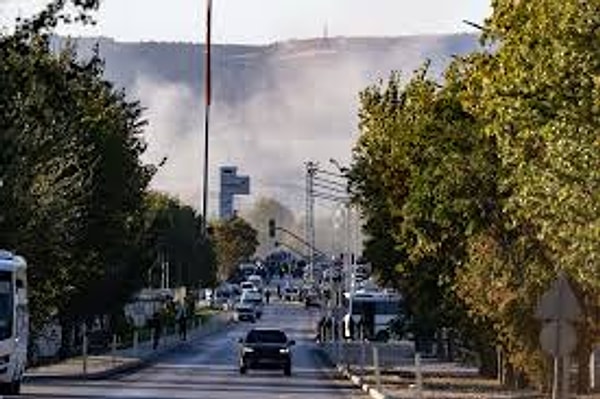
(265,21)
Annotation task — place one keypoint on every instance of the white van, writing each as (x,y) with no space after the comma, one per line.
(14,322)
(255,299)
(257,281)
(247,286)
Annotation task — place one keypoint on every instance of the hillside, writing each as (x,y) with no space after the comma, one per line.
(274,106)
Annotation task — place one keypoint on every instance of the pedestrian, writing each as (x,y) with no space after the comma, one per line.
(268,296)
(182,321)
(279,291)
(320,326)
(155,325)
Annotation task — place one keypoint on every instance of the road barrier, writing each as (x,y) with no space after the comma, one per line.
(360,355)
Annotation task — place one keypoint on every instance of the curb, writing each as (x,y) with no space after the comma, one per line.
(358,382)
(133,365)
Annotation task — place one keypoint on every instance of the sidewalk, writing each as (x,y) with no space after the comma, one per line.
(104,366)
(440,380)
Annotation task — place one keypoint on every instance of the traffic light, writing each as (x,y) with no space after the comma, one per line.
(272,228)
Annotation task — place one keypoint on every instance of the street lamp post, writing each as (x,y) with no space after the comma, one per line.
(337,221)
(348,261)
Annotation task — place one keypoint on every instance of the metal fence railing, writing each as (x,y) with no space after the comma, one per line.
(360,354)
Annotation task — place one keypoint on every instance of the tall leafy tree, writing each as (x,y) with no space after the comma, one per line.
(73,183)
(537,94)
(174,234)
(487,184)
(424,175)
(235,241)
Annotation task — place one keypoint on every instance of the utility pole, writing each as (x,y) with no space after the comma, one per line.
(349,272)
(311,170)
(207,77)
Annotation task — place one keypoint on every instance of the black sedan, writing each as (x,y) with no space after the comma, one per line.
(266,348)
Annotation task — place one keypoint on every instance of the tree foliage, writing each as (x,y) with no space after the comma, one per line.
(486,185)
(73,183)
(174,235)
(235,241)
(424,176)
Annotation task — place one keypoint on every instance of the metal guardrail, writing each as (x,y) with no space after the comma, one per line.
(360,354)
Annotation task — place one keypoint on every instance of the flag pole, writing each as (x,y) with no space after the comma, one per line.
(207,97)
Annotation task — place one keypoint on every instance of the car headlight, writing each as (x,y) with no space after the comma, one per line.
(284,350)
(248,350)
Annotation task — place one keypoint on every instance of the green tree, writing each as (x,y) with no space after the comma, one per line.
(73,183)
(235,241)
(487,185)
(174,234)
(537,93)
(424,176)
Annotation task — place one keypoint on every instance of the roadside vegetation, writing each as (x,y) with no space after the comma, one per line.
(479,187)
(75,197)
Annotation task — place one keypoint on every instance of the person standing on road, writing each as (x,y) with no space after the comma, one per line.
(268,296)
(155,325)
(182,321)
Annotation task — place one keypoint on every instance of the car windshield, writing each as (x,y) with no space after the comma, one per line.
(266,337)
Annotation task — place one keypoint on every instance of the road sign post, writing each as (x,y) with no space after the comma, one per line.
(558,309)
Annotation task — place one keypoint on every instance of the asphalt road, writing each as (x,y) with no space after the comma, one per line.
(208,369)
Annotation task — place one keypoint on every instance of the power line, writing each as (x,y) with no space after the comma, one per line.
(332,189)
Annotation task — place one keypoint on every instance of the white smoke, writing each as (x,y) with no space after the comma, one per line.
(306,110)
(310,115)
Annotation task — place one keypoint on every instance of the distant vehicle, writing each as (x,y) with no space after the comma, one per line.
(255,299)
(248,269)
(245,312)
(14,322)
(265,348)
(373,310)
(291,293)
(311,299)
(236,290)
(247,286)
(257,281)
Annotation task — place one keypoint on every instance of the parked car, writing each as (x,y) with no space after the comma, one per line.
(265,348)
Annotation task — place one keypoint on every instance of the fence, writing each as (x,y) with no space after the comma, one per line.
(357,354)
(99,342)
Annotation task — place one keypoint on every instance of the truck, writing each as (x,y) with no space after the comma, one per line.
(14,322)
